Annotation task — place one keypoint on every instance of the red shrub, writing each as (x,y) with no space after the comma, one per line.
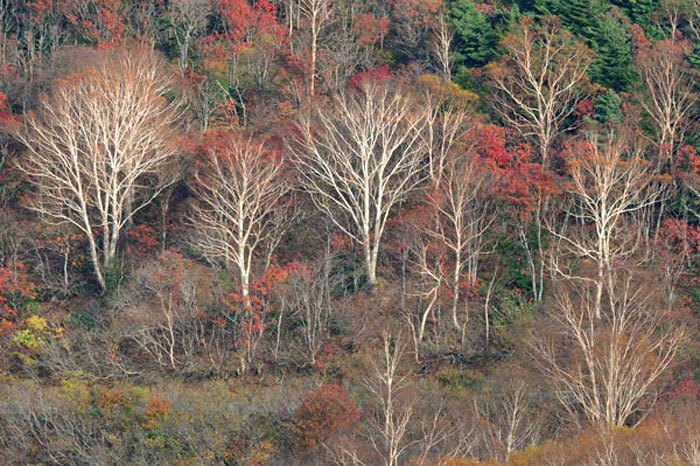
(323,413)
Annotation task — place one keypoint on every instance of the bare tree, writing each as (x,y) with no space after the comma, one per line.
(429,260)
(238,188)
(158,307)
(392,420)
(359,157)
(608,373)
(443,37)
(609,181)
(448,110)
(29,42)
(510,420)
(537,86)
(187,17)
(306,295)
(344,57)
(464,211)
(541,79)
(693,16)
(318,14)
(671,14)
(436,431)
(671,93)
(670,100)
(445,240)
(96,145)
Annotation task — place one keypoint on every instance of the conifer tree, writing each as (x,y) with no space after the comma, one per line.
(613,67)
(476,39)
(637,10)
(608,106)
(578,16)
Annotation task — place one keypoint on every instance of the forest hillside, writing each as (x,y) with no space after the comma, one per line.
(350,232)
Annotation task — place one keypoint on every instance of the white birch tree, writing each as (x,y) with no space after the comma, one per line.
(358,157)
(610,375)
(96,146)
(238,188)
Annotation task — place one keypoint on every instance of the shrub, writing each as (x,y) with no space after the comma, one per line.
(324,412)
(459,382)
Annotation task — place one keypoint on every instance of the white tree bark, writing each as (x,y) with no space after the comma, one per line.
(187,17)
(671,94)
(358,158)
(609,181)
(96,146)
(539,83)
(318,14)
(238,187)
(392,420)
(617,359)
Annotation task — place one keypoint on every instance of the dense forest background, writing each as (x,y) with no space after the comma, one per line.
(421,232)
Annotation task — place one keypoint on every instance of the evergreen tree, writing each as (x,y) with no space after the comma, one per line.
(637,10)
(476,39)
(604,31)
(614,66)
(546,7)
(579,16)
(526,6)
(608,106)
(505,19)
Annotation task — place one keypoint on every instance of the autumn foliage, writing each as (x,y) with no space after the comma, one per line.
(323,413)
(403,232)
(15,291)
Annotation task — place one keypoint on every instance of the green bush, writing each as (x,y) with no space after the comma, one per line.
(459,382)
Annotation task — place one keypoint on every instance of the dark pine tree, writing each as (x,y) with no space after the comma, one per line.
(579,16)
(613,67)
(477,41)
(608,106)
(638,11)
